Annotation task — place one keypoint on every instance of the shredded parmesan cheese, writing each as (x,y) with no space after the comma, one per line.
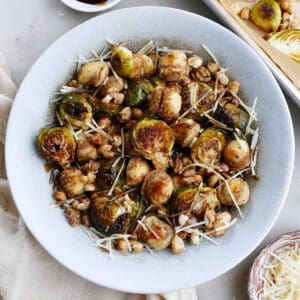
(210,54)
(281,279)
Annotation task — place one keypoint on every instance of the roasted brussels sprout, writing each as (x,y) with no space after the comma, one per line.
(74,109)
(93,73)
(112,86)
(173,66)
(57,145)
(185,131)
(165,102)
(196,91)
(107,173)
(139,94)
(157,187)
(232,115)
(209,146)
(158,234)
(142,66)
(237,155)
(136,171)
(154,140)
(73,182)
(239,189)
(194,201)
(122,61)
(113,216)
(266,14)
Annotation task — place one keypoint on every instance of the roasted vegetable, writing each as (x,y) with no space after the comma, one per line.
(142,66)
(112,86)
(93,73)
(209,146)
(157,187)
(173,66)
(139,94)
(158,234)
(74,109)
(266,14)
(237,155)
(107,173)
(193,201)
(113,216)
(185,131)
(73,182)
(197,91)
(240,190)
(122,61)
(165,102)
(57,145)
(136,171)
(288,42)
(154,140)
(232,115)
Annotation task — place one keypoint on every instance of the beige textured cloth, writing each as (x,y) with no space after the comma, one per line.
(27,272)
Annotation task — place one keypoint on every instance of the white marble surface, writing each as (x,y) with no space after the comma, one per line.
(29,27)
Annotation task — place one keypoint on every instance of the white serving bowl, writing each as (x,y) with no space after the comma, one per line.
(90,8)
(163,271)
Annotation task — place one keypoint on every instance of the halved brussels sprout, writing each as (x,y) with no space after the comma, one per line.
(75,110)
(288,42)
(194,201)
(233,116)
(139,94)
(159,234)
(209,146)
(107,174)
(154,140)
(57,145)
(111,217)
(266,14)
(122,60)
(198,90)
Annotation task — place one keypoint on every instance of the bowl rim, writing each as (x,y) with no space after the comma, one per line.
(257,265)
(90,8)
(287,179)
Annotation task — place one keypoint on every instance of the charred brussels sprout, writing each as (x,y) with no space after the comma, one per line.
(111,217)
(266,14)
(233,116)
(196,91)
(194,201)
(139,94)
(154,140)
(57,145)
(158,236)
(209,146)
(75,110)
(122,61)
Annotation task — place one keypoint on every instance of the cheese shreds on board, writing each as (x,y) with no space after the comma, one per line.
(281,279)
